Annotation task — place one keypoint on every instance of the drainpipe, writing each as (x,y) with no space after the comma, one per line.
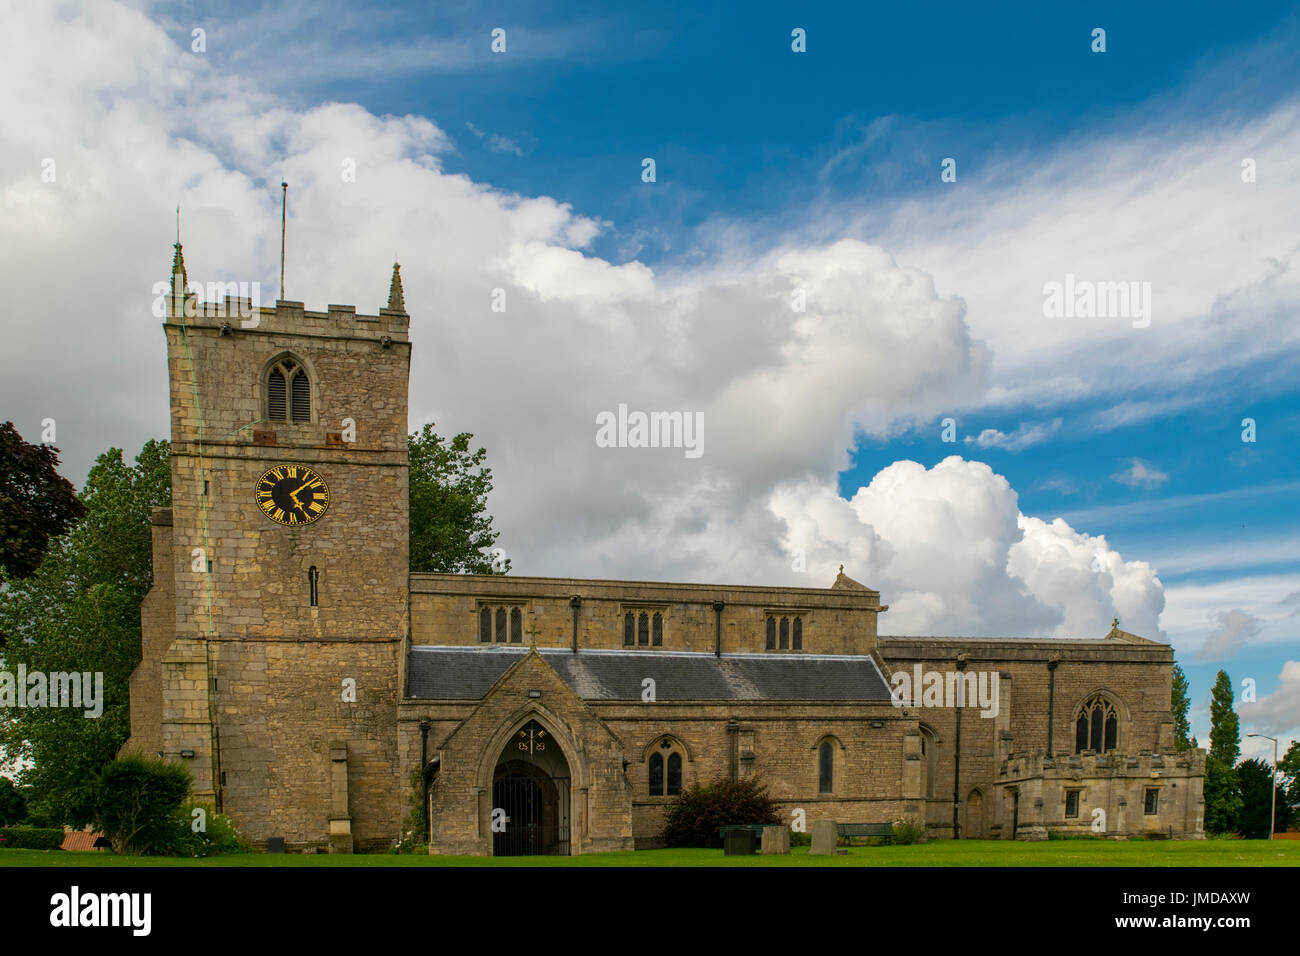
(424,779)
(956,758)
(717,641)
(1051,699)
(575,602)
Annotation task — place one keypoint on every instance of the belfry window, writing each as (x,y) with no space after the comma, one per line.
(1097,726)
(288,392)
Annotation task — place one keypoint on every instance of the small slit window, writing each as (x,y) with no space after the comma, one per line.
(313,586)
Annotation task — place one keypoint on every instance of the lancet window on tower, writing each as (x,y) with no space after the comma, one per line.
(288,392)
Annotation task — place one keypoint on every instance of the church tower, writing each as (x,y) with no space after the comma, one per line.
(289,556)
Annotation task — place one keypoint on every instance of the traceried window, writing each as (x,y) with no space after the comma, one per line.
(665,769)
(288,391)
(500,624)
(784,632)
(1097,726)
(643,628)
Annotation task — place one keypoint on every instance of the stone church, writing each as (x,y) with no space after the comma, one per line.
(317,689)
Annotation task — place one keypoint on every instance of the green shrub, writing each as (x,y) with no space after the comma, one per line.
(215,834)
(410,843)
(31,838)
(906,833)
(800,839)
(136,803)
(694,818)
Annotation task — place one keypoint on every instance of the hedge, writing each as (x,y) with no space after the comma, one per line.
(31,838)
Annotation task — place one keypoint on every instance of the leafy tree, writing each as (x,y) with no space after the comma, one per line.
(137,803)
(1223,802)
(450,527)
(1288,768)
(1225,729)
(13,808)
(81,612)
(694,819)
(36,504)
(1181,702)
(1255,780)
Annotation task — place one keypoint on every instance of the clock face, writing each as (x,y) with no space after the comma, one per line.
(292,495)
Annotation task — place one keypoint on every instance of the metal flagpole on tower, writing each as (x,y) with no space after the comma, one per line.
(284,202)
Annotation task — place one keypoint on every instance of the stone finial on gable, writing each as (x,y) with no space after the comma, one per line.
(845,583)
(396,301)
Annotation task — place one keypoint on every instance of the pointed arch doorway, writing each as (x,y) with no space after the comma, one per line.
(531,795)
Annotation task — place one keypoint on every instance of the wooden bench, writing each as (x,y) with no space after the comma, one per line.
(850,830)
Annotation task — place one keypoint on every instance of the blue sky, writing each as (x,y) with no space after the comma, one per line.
(1122,165)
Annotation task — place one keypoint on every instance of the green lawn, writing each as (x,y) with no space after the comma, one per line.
(938,853)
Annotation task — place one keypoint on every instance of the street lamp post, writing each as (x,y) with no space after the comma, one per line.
(1272,814)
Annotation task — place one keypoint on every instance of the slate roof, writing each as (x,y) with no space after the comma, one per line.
(467,673)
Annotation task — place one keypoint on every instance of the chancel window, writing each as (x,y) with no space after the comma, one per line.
(500,624)
(288,392)
(665,770)
(1097,726)
(784,632)
(643,628)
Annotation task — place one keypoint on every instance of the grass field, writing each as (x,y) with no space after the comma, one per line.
(939,853)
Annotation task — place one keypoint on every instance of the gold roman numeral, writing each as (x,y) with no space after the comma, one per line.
(316,506)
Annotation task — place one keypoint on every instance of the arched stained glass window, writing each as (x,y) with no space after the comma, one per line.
(796,639)
(826,767)
(658,630)
(785,633)
(485,625)
(629,629)
(771,633)
(643,629)
(516,626)
(501,624)
(1097,726)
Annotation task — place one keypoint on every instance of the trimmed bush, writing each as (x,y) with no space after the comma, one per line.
(31,838)
(694,819)
(136,803)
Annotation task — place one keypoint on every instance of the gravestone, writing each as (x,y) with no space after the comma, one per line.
(776,840)
(823,838)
